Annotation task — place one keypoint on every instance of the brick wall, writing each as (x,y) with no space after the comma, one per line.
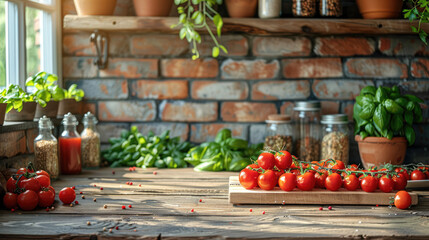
(151,81)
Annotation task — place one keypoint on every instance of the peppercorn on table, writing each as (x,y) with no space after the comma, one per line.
(181,203)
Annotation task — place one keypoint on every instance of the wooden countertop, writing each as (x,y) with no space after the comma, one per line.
(163,204)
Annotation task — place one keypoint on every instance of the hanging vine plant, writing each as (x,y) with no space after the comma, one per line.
(197,15)
(418,10)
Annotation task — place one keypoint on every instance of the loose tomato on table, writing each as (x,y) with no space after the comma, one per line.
(10,200)
(248,178)
(402,200)
(306,181)
(283,160)
(333,182)
(369,183)
(351,182)
(417,174)
(267,180)
(28,200)
(385,184)
(67,195)
(266,160)
(287,181)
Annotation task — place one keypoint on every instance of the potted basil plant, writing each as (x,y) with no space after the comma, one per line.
(72,102)
(384,124)
(20,105)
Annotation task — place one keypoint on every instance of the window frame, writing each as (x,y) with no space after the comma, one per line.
(50,34)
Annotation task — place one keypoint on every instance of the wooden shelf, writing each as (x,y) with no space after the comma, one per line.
(244,25)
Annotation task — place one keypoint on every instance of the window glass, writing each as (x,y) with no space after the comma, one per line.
(33,19)
(43,1)
(2,44)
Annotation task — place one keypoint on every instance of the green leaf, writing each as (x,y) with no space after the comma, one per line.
(413,98)
(368,90)
(367,111)
(397,122)
(363,135)
(380,95)
(369,128)
(408,116)
(392,107)
(381,117)
(410,135)
(389,134)
(418,112)
(223,49)
(402,102)
(215,52)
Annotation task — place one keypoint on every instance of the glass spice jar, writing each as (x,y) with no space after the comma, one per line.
(306,119)
(335,140)
(90,142)
(304,8)
(279,133)
(70,146)
(46,149)
(330,8)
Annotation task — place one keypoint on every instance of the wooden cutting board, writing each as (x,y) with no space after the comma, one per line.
(239,195)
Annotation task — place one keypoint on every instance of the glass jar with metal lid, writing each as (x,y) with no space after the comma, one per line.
(46,149)
(335,140)
(90,142)
(306,118)
(269,8)
(279,133)
(70,146)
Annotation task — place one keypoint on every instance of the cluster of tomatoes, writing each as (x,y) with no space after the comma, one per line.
(284,170)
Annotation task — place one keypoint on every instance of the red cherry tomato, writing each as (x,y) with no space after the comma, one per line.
(43,172)
(266,160)
(23,170)
(333,182)
(67,195)
(417,175)
(369,184)
(11,185)
(10,200)
(306,181)
(338,165)
(46,198)
(283,160)
(403,171)
(28,200)
(351,182)
(399,182)
(402,200)
(278,173)
(320,179)
(52,189)
(385,184)
(267,180)
(30,184)
(287,181)
(43,180)
(248,178)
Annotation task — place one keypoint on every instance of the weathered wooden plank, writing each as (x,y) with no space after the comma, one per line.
(244,25)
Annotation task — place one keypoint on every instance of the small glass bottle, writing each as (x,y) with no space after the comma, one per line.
(304,8)
(335,140)
(279,133)
(70,146)
(330,8)
(46,149)
(306,118)
(269,8)
(90,142)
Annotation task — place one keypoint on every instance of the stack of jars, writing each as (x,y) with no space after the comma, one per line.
(301,8)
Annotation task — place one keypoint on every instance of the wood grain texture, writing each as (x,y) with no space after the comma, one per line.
(163,203)
(244,25)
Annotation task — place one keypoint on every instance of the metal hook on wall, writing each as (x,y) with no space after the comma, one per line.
(101,42)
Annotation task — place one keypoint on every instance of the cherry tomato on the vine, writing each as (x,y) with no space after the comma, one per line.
(28,200)
(283,160)
(267,180)
(385,184)
(351,182)
(46,198)
(333,182)
(10,200)
(369,183)
(67,195)
(399,182)
(24,170)
(417,175)
(320,178)
(30,184)
(266,160)
(402,200)
(403,171)
(287,181)
(248,178)
(43,180)
(306,181)
(11,185)
(43,172)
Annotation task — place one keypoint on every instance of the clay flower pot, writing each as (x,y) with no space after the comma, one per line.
(49,111)
(95,7)
(376,151)
(2,112)
(26,114)
(152,8)
(241,8)
(69,106)
(380,9)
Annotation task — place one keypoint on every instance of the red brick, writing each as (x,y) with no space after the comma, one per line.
(287,108)
(131,68)
(119,45)
(281,46)
(312,68)
(220,90)
(347,108)
(78,45)
(126,111)
(182,111)
(247,111)
(420,68)
(207,132)
(334,89)
(250,69)
(330,107)
(79,67)
(280,90)
(376,67)
(418,88)
(236,45)
(89,107)
(169,45)
(176,129)
(402,46)
(172,89)
(31,134)
(187,68)
(12,143)
(102,88)
(111,130)
(348,46)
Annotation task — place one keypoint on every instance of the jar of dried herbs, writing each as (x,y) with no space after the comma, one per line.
(306,120)
(304,8)
(90,142)
(335,140)
(279,133)
(46,149)
(330,8)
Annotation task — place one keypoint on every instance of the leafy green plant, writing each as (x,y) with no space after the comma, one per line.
(195,15)
(46,89)
(385,112)
(418,11)
(14,96)
(74,93)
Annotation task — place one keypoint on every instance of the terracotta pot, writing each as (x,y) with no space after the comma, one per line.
(26,114)
(152,8)
(49,111)
(2,112)
(241,8)
(95,7)
(380,9)
(376,151)
(69,106)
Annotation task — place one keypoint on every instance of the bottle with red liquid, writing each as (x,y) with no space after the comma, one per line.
(70,146)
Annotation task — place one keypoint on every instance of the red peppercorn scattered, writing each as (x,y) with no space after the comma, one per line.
(113,172)
(130,169)
(101,188)
(376,205)
(321,208)
(128,183)
(251,210)
(129,206)
(192,210)
(154,173)
(76,202)
(140,185)
(123,207)
(73,187)
(131,183)
(263,212)
(81,192)
(283,203)
(201,200)
(117,228)
(12,210)
(47,209)
(329,208)
(95,185)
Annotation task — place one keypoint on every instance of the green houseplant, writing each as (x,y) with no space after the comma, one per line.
(383,124)
(72,101)
(418,10)
(20,105)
